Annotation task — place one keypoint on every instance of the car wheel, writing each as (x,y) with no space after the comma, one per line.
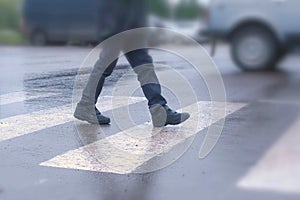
(254,49)
(38,38)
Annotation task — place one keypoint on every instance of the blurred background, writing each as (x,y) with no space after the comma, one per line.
(10,16)
(18,16)
(255,44)
(258,38)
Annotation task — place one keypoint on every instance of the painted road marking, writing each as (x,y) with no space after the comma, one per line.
(274,101)
(128,150)
(24,124)
(28,123)
(279,169)
(16,97)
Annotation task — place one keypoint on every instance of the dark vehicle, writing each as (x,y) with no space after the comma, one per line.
(59,21)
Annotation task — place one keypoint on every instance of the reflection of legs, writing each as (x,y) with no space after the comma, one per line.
(86,109)
(141,63)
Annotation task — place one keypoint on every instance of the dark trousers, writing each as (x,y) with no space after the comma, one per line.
(142,64)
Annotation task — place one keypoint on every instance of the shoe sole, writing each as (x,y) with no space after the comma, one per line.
(182,120)
(90,121)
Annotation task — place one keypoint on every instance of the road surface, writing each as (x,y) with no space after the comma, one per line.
(46,154)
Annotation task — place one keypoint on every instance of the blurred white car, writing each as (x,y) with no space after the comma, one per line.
(189,28)
(260,31)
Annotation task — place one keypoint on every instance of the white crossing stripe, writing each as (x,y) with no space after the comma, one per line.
(279,169)
(274,101)
(21,96)
(24,124)
(128,150)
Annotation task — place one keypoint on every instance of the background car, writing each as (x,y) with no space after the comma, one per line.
(260,32)
(58,21)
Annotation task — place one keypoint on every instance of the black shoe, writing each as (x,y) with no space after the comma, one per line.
(163,115)
(97,111)
(92,116)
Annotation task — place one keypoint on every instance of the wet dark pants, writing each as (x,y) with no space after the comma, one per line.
(142,64)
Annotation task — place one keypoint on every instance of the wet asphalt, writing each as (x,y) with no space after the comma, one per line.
(256,157)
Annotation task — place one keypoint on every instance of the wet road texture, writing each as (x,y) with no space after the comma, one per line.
(44,151)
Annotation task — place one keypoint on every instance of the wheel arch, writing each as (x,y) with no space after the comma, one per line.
(254,23)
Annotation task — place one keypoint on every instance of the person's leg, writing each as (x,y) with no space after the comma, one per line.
(161,114)
(105,74)
(101,70)
(142,64)
(86,109)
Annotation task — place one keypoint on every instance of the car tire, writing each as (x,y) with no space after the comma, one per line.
(38,38)
(254,49)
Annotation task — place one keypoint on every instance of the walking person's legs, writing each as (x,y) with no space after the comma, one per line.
(86,109)
(142,64)
(105,74)
(161,114)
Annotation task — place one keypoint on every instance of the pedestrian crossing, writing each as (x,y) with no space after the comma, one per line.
(126,151)
(21,96)
(286,102)
(20,125)
(278,163)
